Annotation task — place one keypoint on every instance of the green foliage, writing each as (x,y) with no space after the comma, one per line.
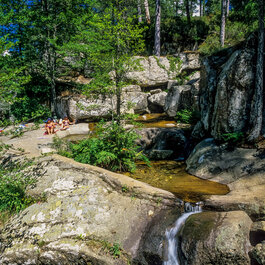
(4,147)
(30,109)
(13,185)
(114,148)
(63,147)
(12,77)
(124,188)
(110,43)
(241,22)
(174,64)
(16,132)
(115,250)
(232,138)
(188,116)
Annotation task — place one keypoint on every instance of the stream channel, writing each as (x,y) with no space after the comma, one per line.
(171,175)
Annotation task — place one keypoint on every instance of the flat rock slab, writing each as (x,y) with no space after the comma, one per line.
(76,129)
(87,208)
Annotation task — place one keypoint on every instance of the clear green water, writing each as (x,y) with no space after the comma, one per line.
(171,176)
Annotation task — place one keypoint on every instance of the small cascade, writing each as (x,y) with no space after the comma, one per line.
(172,240)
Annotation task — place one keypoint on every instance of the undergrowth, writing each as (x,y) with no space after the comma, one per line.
(13,184)
(113,148)
(188,116)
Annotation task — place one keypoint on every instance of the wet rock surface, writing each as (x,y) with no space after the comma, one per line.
(84,212)
(164,142)
(216,238)
(243,171)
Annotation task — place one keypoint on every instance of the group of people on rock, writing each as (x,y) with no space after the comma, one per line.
(51,124)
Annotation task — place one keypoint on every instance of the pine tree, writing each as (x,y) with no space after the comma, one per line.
(223,21)
(147,12)
(157,47)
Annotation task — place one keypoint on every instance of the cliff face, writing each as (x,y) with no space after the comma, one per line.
(227,88)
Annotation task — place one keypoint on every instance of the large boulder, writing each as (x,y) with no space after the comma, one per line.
(216,238)
(243,171)
(155,71)
(156,102)
(190,61)
(178,97)
(227,87)
(163,143)
(137,100)
(80,107)
(86,211)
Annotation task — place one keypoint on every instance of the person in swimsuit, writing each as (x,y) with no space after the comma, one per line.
(49,126)
(65,123)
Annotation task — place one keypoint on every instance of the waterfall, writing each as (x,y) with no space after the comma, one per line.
(172,240)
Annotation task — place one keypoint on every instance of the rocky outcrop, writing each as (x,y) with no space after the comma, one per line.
(243,171)
(163,143)
(190,61)
(156,102)
(155,71)
(83,108)
(179,97)
(226,89)
(216,238)
(159,73)
(83,212)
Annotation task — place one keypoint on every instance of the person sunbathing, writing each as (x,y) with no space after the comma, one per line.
(65,123)
(49,126)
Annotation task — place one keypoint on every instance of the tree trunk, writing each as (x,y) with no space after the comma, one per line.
(227,7)
(177,8)
(201,8)
(157,47)
(147,13)
(50,60)
(140,19)
(223,16)
(257,102)
(187,6)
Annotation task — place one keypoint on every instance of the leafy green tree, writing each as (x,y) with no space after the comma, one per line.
(106,42)
(12,78)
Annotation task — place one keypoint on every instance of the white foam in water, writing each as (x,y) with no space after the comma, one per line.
(172,240)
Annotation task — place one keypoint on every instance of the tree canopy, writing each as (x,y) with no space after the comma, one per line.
(41,39)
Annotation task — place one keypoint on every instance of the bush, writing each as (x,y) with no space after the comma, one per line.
(29,108)
(113,148)
(188,116)
(235,33)
(232,138)
(13,184)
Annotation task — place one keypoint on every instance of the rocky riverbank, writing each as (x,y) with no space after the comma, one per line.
(86,212)
(232,231)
